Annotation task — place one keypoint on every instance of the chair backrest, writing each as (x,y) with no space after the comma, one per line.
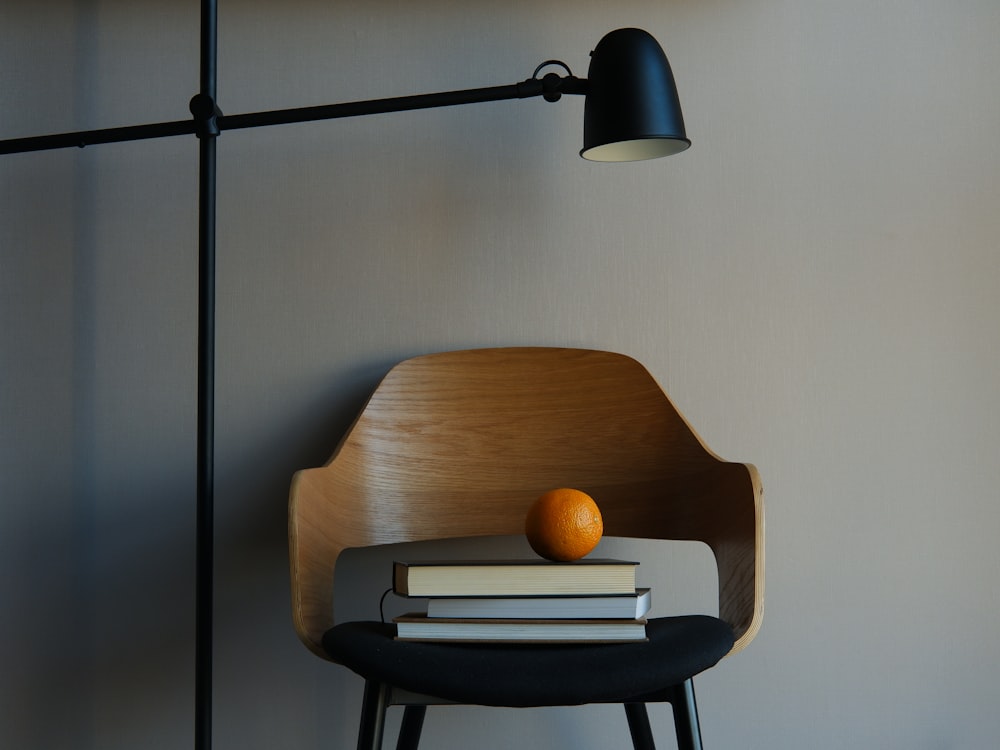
(459,444)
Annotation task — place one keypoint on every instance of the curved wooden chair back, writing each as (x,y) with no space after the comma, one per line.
(459,444)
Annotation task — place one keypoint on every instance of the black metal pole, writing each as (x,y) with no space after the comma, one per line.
(94,137)
(206,445)
(551,86)
(523,90)
(204,110)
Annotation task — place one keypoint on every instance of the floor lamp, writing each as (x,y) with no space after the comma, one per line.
(631,113)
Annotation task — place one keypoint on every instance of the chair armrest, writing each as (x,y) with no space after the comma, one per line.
(735,533)
(719,504)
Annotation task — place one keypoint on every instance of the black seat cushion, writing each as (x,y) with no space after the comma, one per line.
(533,674)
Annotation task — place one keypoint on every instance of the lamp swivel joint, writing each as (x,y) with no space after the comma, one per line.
(550,87)
(206,114)
(554,85)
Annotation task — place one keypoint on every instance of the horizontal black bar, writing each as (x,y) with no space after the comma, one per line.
(93,137)
(549,86)
(529,88)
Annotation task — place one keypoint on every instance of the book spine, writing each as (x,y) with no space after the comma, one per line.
(399,579)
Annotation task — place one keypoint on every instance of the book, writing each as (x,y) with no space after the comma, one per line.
(619,606)
(419,627)
(434,578)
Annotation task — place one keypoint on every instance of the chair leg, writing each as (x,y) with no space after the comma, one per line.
(373,716)
(409,729)
(686,717)
(638,725)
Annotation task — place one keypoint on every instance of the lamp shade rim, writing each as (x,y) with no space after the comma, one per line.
(636,149)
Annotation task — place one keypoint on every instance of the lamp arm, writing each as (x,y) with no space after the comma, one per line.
(83,138)
(551,86)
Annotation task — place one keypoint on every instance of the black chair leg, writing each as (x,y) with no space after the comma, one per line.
(373,716)
(409,729)
(638,725)
(686,717)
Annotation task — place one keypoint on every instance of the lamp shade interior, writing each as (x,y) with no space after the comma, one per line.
(632,111)
(635,150)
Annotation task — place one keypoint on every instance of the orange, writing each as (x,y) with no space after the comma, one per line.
(563,525)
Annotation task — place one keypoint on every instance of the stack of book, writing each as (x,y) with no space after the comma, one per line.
(589,600)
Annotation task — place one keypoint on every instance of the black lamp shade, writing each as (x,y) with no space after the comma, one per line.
(632,111)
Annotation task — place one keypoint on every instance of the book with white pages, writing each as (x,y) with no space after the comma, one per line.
(419,627)
(620,606)
(525,577)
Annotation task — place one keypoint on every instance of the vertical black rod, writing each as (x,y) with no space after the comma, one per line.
(638,725)
(686,725)
(373,707)
(410,728)
(209,47)
(205,560)
(206,446)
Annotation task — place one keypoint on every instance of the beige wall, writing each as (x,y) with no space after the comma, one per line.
(815,283)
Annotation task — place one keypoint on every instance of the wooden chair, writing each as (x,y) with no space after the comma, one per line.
(459,444)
